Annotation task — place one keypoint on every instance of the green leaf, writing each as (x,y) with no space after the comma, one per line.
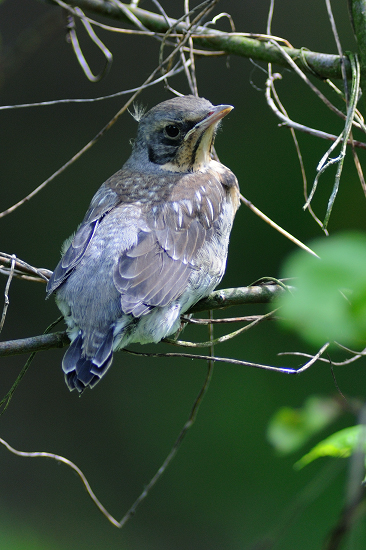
(340,444)
(289,428)
(329,302)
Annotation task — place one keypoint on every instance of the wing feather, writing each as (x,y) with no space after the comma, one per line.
(72,256)
(103,201)
(156,271)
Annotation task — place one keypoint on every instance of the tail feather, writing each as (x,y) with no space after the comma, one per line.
(99,372)
(81,371)
(105,350)
(72,355)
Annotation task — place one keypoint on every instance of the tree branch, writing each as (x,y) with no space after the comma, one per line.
(241,44)
(219,299)
(34,343)
(358,16)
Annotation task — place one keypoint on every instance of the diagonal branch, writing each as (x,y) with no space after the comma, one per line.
(241,44)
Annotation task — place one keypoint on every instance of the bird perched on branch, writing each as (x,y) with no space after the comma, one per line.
(153,242)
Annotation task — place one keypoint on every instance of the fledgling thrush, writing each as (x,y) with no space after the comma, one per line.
(153,242)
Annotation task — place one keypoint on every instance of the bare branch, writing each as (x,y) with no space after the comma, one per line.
(282,370)
(34,343)
(220,299)
(22,270)
(241,44)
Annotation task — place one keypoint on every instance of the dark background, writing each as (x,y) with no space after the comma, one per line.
(226,488)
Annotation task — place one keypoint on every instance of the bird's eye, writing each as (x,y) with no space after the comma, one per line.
(172,131)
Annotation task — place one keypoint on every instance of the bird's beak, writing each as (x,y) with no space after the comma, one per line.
(214,116)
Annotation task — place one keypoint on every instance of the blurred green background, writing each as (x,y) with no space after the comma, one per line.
(226,488)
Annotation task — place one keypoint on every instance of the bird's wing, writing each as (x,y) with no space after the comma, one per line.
(103,201)
(155,272)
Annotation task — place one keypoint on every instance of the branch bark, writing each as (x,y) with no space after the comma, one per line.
(320,64)
(358,16)
(220,299)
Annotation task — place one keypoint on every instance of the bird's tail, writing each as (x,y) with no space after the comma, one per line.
(82,371)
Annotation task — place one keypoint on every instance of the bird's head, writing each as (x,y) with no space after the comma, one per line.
(177,135)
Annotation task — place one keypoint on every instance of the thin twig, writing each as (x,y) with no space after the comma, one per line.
(173,72)
(6,292)
(271,88)
(277,227)
(347,130)
(71,465)
(339,46)
(130,16)
(300,127)
(72,37)
(356,356)
(22,270)
(194,88)
(282,370)
(270,82)
(221,339)
(312,86)
(224,320)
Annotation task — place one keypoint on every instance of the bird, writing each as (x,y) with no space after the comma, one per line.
(153,242)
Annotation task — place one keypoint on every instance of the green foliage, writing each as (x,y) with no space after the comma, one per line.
(340,444)
(289,429)
(329,302)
